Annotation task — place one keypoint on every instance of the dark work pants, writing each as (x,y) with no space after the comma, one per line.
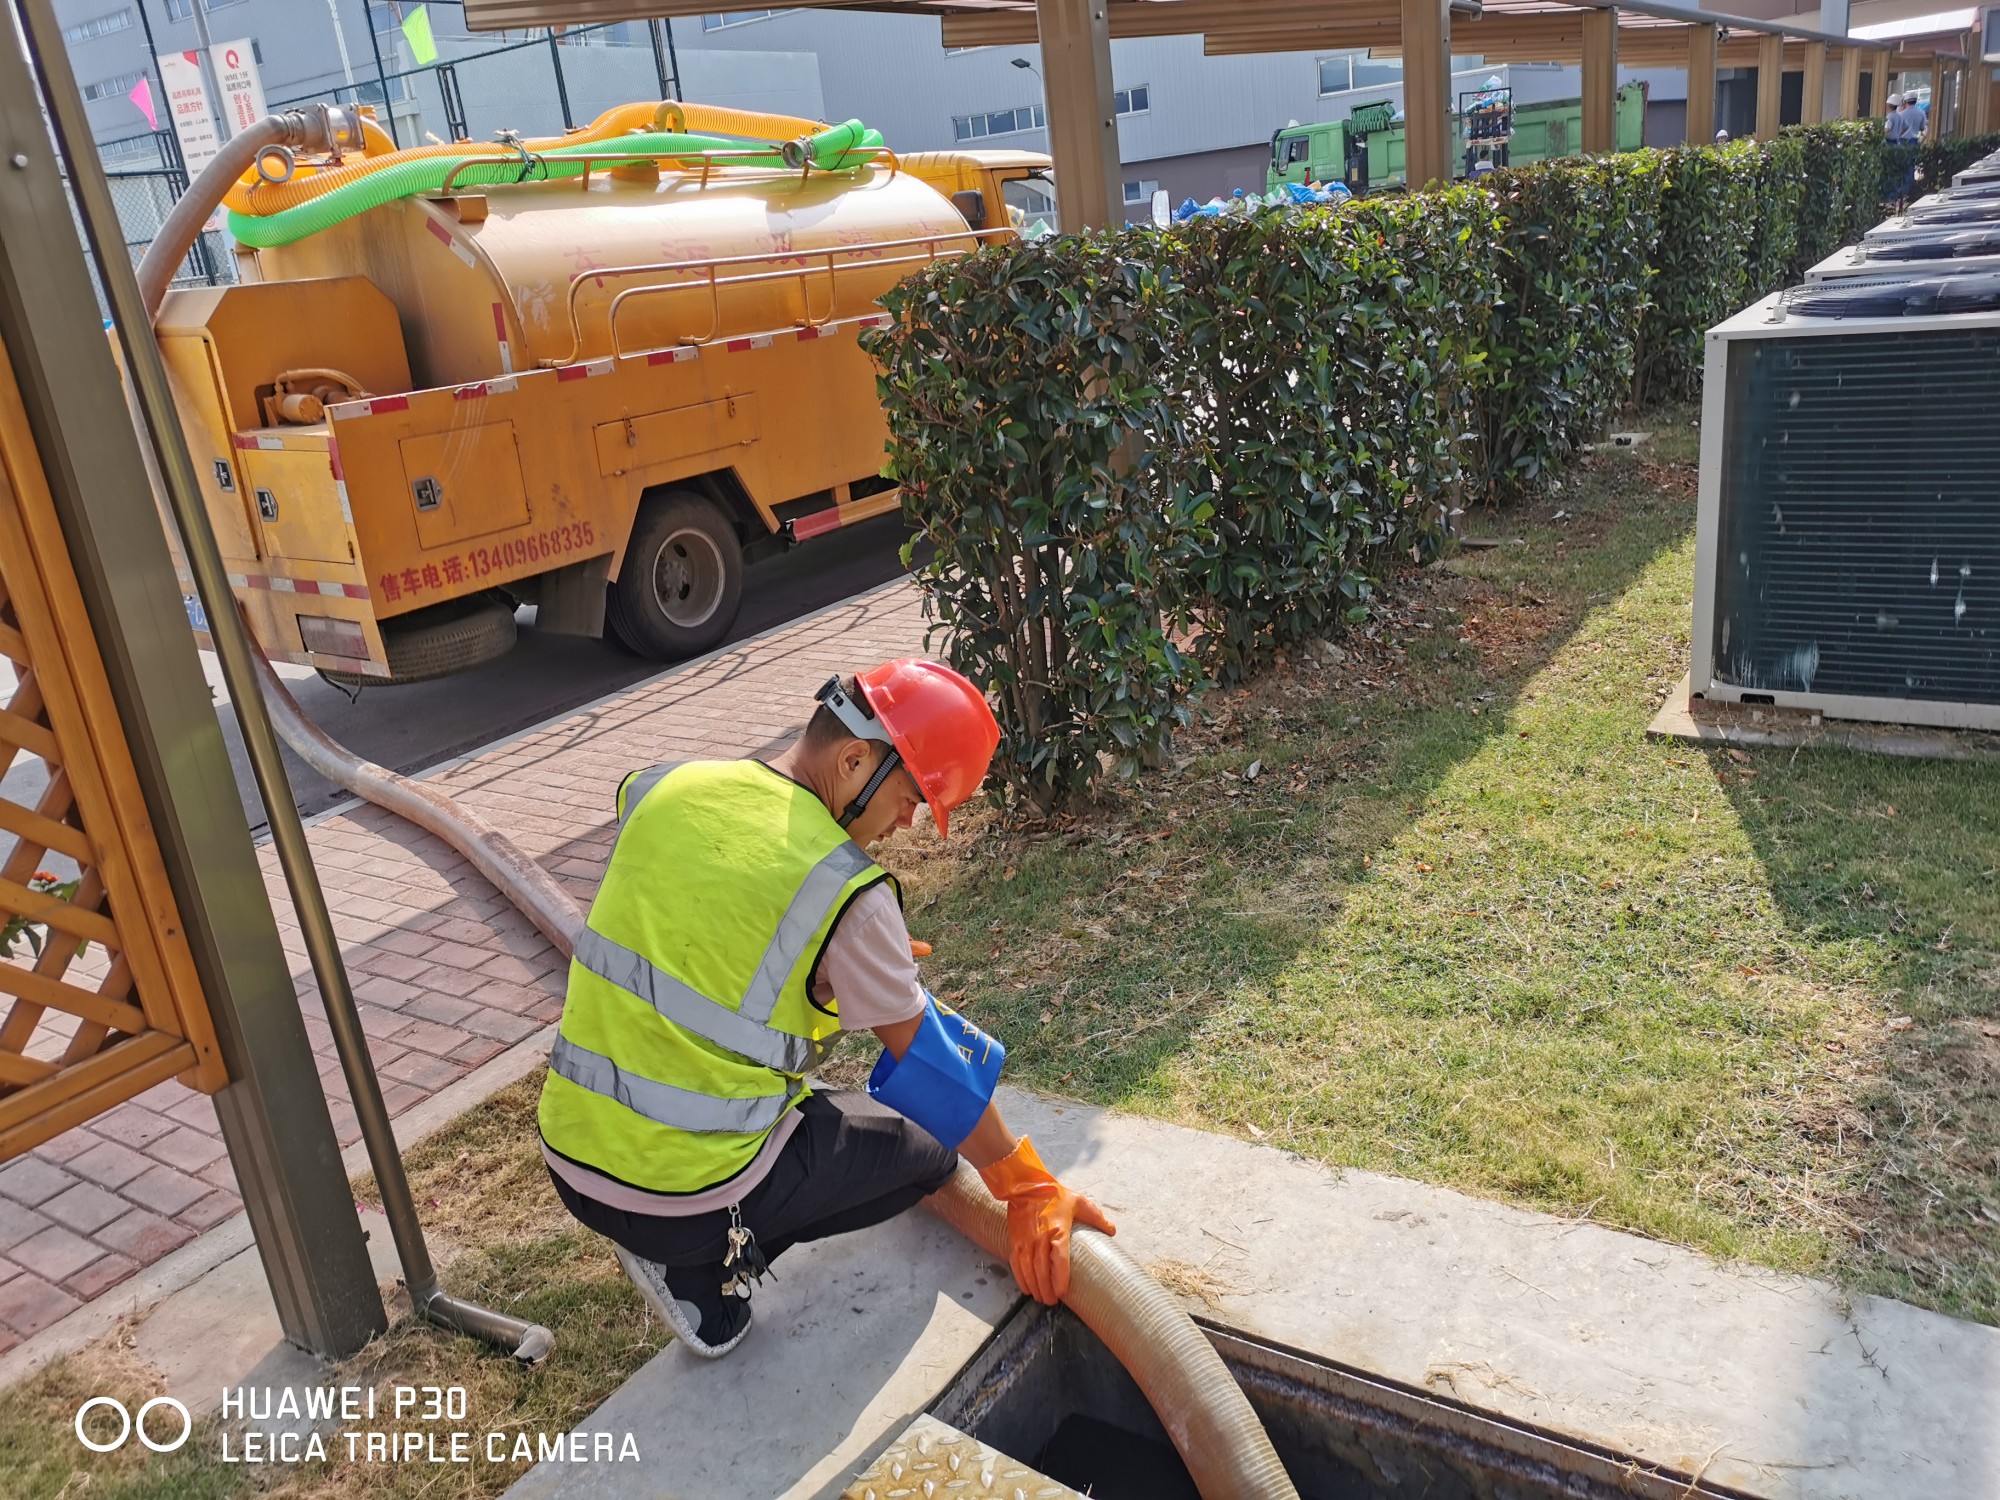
(850,1163)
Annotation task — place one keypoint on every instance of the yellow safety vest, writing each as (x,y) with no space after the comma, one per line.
(689,1025)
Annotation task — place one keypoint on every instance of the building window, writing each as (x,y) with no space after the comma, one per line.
(613,34)
(1000,122)
(183,10)
(1135,101)
(97,26)
(1357,70)
(1141,192)
(131,148)
(113,88)
(716,21)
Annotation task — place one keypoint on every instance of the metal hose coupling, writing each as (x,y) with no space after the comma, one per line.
(324,128)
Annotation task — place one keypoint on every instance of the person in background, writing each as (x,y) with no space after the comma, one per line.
(1914,119)
(1894,124)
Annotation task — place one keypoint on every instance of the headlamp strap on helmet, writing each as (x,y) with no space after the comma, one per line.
(856,718)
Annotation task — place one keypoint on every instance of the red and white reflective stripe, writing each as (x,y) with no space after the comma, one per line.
(277,583)
(742,346)
(370,408)
(672,356)
(588,370)
(874,320)
(807,335)
(450,242)
(478,388)
(266,444)
(816,524)
(500,329)
(339,480)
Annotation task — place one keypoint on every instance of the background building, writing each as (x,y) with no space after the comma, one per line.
(1191,125)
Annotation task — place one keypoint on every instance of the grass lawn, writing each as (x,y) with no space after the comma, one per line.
(1464,923)
(1468,924)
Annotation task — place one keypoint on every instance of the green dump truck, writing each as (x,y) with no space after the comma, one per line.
(1365,150)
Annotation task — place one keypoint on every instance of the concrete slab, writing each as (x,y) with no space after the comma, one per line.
(1776,1385)
(1681,718)
(854,1336)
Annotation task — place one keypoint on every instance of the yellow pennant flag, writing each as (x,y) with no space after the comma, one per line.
(417,29)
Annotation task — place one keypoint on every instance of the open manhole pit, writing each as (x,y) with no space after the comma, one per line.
(1045,1391)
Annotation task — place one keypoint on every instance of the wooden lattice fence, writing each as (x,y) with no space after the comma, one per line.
(99,999)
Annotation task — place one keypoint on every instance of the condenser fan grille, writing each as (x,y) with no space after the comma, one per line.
(1859,545)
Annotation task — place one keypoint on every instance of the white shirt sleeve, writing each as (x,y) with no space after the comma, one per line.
(867,971)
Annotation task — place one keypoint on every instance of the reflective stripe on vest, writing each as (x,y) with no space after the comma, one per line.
(686,1006)
(818,894)
(662,1103)
(741,1030)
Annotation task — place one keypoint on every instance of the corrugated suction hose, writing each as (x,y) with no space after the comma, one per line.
(1196,1399)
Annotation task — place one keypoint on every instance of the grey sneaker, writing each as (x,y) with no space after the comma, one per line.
(710,1325)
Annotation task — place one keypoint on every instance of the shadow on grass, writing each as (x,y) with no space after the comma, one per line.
(1890,870)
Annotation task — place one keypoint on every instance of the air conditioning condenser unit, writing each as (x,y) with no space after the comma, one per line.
(1848,537)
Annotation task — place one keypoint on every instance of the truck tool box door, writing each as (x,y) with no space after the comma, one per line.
(464,482)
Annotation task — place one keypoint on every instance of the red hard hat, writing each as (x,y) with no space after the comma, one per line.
(939,723)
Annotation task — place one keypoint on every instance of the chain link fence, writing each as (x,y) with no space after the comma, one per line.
(143,200)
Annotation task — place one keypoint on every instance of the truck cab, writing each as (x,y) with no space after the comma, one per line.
(1005,189)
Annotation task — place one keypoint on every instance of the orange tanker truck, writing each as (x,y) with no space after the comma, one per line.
(597,374)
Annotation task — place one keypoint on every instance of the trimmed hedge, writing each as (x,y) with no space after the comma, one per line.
(1150,459)
(1937,162)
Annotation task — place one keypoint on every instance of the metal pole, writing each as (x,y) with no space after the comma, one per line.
(233,646)
(340,41)
(673,57)
(1426,39)
(669,88)
(273,1112)
(381,74)
(153,62)
(1083,122)
(1600,81)
(209,81)
(562,88)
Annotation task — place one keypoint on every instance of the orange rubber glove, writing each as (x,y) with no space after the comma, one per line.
(919,950)
(1040,1213)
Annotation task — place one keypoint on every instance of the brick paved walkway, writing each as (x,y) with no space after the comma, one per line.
(447,974)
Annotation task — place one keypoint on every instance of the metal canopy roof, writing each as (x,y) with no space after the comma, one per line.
(1074,38)
(1274,25)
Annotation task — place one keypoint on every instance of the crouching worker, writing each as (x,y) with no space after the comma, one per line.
(739,929)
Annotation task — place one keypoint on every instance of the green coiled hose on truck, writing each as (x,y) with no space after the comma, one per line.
(835,149)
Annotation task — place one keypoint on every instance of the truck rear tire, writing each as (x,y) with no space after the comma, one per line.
(682,582)
(442,639)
